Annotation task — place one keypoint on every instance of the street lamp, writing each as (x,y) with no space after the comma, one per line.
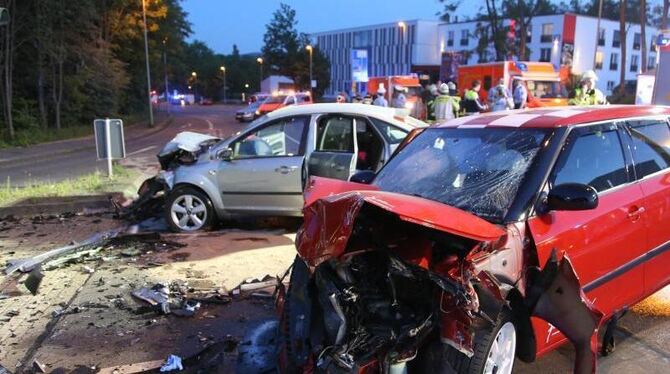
(194,75)
(223,70)
(167,91)
(311,51)
(260,64)
(146,56)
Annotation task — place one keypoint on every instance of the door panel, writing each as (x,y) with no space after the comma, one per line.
(265,173)
(650,142)
(335,153)
(603,242)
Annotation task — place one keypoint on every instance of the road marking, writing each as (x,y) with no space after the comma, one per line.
(210,124)
(141,150)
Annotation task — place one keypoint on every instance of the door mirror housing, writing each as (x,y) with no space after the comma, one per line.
(572,196)
(225,154)
(363,177)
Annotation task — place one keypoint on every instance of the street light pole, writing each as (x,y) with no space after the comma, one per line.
(195,85)
(223,69)
(167,91)
(146,55)
(595,53)
(260,64)
(310,49)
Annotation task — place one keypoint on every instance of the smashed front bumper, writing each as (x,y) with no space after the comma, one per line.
(151,197)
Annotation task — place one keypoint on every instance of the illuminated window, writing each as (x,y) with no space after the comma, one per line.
(599,60)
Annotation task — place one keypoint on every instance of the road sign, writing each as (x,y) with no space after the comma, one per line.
(109,141)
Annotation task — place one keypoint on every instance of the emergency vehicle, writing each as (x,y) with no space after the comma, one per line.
(283,99)
(544,83)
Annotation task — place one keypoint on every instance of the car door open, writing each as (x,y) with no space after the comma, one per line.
(335,153)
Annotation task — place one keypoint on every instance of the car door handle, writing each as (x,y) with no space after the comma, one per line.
(286,169)
(635,212)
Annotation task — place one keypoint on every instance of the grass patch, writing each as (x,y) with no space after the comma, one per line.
(89,184)
(26,137)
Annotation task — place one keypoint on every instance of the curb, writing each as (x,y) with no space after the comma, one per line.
(160,127)
(72,204)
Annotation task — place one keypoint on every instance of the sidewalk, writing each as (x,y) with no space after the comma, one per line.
(46,150)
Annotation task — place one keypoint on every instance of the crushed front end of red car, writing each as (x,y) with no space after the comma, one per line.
(381,275)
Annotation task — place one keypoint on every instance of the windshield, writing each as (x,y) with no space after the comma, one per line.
(275,99)
(476,170)
(546,89)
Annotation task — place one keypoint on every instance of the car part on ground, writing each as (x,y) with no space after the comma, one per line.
(381,276)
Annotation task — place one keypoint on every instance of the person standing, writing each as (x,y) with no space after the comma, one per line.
(380,100)
(446,106)
(520,94)
(471,102)
(587,93)
(430,102)
(399,98)
(499,97)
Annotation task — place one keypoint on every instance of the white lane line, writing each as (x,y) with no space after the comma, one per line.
(141,150)
(210,124)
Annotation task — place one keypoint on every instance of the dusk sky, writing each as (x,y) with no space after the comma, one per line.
(222,23)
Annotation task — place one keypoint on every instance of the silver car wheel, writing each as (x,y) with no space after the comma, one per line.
(188,212)
(500,358)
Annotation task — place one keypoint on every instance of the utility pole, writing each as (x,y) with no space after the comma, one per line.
(146,55)
(223,69)
(595,51)
(167,91)
(260,82)
(310,49)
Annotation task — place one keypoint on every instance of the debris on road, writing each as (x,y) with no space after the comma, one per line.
(172,363)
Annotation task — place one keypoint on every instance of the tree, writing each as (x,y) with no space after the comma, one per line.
(523,11)
(622,37)
(643,34)
(285,54)
(664,15)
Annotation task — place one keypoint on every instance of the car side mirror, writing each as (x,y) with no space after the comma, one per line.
(572,196)
(363,177)
(225,154)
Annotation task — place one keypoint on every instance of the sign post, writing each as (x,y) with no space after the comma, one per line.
(109,141)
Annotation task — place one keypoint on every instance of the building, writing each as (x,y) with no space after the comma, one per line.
(417,46)
(390,49)
(566,39)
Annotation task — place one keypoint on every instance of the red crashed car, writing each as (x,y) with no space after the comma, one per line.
(483,239)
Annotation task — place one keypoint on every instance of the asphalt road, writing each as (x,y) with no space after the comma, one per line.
(36,164)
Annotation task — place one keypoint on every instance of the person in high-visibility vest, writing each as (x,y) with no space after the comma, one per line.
(471,102)
(587,93)
(446,106)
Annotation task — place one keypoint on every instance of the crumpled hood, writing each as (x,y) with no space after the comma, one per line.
(187,141)
(329,221)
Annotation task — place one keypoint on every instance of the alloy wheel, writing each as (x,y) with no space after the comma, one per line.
(500,358)
(188,212)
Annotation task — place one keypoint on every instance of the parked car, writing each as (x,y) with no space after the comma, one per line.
(278,101)
(250,112)
(262,170)
(483,239)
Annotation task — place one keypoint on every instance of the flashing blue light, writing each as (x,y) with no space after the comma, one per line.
(521,66)
(663,40)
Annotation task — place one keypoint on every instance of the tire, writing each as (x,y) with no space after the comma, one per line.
(191,203)
(436,357)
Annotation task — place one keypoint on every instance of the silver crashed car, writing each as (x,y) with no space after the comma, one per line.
(263,169)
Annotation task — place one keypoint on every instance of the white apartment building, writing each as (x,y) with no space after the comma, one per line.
(566,39)
(417,46)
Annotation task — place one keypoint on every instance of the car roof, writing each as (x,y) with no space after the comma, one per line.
(552,117)
(399,117)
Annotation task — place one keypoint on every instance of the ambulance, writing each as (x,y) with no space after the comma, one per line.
(411,82)
(546,86)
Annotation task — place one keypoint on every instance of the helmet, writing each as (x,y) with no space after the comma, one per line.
(381,90)
(451,86)
(432,89)
(590,74)
(444,88)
